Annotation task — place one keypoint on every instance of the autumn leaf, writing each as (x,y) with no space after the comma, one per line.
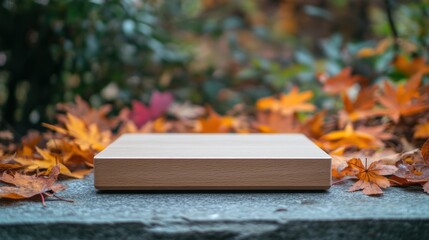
(384,45)
(381,47)
(70,152)
(274,122)
(361,108)
(47,161)
(313,126)
(349,137)
(87,137)
(287,104)
(158,105)
(28,186)
(371,179)
(89,115)
(7,163)
(405,100)
(340,82)
(380,133)
(409,67)
(422,131)
(413,166)
(214,123)
(160,125)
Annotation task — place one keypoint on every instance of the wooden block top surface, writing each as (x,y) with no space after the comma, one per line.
(212,146)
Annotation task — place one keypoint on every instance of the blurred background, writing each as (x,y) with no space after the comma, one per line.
(210,52)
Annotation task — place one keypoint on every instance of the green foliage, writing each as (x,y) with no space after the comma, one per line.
(210,52)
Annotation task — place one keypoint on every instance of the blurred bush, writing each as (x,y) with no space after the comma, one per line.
(216,52)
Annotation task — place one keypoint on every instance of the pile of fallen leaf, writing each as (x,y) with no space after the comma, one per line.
(377,137)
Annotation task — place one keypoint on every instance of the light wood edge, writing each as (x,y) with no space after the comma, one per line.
(204,188)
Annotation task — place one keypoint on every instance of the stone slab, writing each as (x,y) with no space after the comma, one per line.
(334,214)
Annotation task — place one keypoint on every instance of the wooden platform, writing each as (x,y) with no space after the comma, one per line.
(212,162)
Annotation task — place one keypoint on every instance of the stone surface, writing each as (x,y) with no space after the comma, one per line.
(333,214)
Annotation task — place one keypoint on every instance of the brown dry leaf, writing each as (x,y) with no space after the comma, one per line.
(340,82)
(422,131)
(413,166)
(287,104)
(32,139)
(86,137)
(7,163)
(371,179)
(403,100)
(349,138)
(89,115)
(29,186)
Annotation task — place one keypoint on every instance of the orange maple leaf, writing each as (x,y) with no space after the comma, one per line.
(29,186)
(411,67)
(371,179)
(340,82)
(89,115)
(47,162)
(287,104)
(214,123)
(313,126)
(87,137)
(361,108)
(274,122)
(422,131)
(349,138)
(404,100)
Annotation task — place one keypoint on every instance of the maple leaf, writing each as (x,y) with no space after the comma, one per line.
(70,152)
(416,65)
(349,138)
(6,162)
(413,166)
(87,137)
(289,103)
(361,108)
(422,131)
(48,161)
(313,126)
(215,123)
(89,115)
(274,122)
(340,82)
(404,100)
(379,132)
(158,105)
(371,179)
(29,186)
(160,125)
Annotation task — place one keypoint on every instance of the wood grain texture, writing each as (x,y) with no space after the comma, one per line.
(212,161)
